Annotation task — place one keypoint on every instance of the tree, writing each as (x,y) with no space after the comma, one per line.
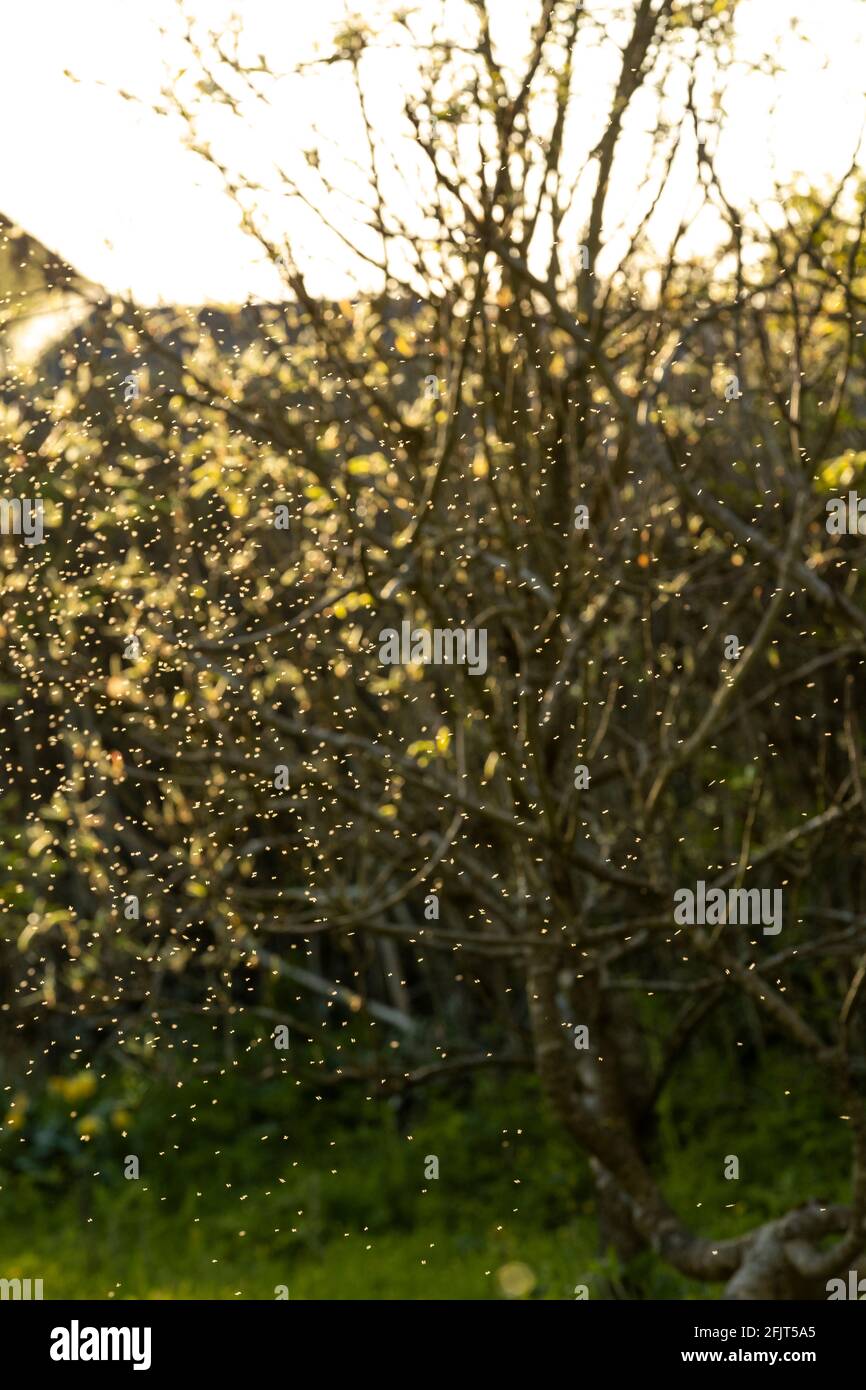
(624,491)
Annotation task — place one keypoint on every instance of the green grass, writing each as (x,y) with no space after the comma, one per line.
(131,1249)
(245,1188)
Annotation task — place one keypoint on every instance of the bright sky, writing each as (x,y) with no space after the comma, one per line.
(91,175)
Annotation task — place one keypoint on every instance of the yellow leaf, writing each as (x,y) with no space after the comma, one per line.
(842,470)
(557,367)
(490,766)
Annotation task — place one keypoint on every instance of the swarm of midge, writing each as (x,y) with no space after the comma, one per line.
(241,847)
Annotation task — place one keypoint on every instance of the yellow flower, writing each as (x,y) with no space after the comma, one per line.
(121,1119)
(89,1125)
(516,1280)
(17,1112)
(78,1087)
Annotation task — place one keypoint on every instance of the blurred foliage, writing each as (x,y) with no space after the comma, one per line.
(237,503)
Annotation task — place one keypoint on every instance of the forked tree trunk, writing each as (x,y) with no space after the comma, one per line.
(596,1103)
